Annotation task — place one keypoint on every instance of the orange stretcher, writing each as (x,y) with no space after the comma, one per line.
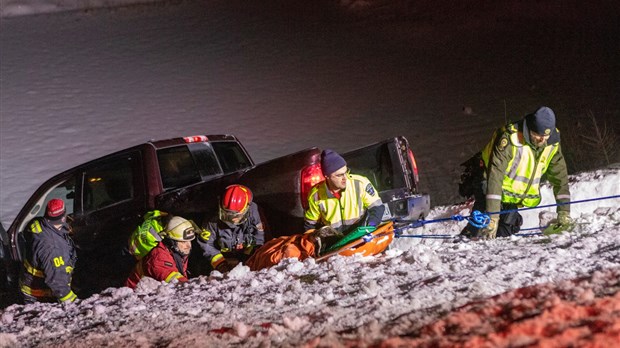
(373,243)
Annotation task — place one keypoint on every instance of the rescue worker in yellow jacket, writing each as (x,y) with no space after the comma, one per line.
(49,257)
(343,201)
(509,171)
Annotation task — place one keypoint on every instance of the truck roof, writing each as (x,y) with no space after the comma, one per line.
(191,139)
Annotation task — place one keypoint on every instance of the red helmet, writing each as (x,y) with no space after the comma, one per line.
(235,204)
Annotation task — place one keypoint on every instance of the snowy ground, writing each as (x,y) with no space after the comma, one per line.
(285,78)
(409,295)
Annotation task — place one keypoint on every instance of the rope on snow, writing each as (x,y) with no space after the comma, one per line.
(481,220)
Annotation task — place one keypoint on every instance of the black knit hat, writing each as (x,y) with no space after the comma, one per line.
(542,121)
(331,162)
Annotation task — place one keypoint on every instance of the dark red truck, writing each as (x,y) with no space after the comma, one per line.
(107,197)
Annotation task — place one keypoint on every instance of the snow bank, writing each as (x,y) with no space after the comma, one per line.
(420,291)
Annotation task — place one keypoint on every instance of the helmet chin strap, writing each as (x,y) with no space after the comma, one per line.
(172,244)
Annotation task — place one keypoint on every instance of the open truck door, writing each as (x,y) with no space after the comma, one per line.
(281,185)
(391,167)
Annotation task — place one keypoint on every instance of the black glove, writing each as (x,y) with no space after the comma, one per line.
(227,265)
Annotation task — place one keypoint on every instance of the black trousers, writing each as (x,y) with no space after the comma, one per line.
(509,223)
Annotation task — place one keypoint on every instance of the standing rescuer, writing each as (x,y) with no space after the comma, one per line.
(343,201)
(49,258)
(506,175)
(168,260)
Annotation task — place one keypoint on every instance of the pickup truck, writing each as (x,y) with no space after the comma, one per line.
(106,198)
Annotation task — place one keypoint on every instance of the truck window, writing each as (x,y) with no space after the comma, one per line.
(64,190)
(231,155)
(379,164)
(177,167)
(205,159)
(108,183)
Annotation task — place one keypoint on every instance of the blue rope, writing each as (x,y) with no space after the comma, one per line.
(480,220)
(535,228)
(477,219)
(554,205)
(426,236)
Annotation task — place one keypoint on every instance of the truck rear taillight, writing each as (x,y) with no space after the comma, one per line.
(196,139)
(310,176)
(414,166)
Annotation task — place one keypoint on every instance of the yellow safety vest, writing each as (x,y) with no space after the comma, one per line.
(147,235)
(521,184)
(355,199)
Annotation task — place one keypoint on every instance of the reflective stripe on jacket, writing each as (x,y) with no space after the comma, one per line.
(324,209)
(218,238)
(146,236)
(158,264)
(48,263)
(515,168)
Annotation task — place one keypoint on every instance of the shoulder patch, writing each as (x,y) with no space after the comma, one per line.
(370,189)
(169,264)
(503,143)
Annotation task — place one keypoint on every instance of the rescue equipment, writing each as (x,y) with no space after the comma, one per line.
(363,241)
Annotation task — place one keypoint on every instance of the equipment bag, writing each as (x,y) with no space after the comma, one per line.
(148,234)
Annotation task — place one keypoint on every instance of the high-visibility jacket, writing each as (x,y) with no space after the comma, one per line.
(158,264)
(219,239)
(147,235)
(299,246)
(358,197)
(514,169)
(48,263)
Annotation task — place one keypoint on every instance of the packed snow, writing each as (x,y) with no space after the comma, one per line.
(270,74)
(355,301)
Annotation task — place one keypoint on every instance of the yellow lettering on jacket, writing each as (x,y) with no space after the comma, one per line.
(58,261)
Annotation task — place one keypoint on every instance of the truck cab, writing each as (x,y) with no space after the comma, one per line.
(106,198)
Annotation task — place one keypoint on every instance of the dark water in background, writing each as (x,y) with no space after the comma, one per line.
(79,85)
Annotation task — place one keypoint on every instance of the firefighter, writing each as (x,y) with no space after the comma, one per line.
(343,201)
(231,237)
(49,257)
(508,171)
(167,261)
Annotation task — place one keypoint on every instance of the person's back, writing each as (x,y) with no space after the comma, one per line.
(50,258)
